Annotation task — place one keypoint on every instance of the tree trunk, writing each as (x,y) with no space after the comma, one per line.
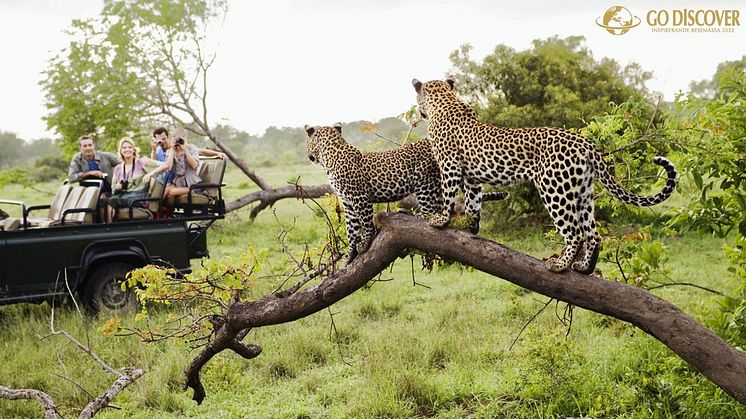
(694,343)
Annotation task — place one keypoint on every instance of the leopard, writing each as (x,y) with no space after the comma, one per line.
(363,179)
(560,163)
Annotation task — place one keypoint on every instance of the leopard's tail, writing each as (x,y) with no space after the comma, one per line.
(611,184)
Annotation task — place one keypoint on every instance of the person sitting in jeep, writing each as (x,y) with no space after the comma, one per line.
(92,164)
(131,177)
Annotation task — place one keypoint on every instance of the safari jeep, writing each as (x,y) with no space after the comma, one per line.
(65,251)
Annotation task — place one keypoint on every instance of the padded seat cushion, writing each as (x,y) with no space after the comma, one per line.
(10,223)
(137,214)
(197,199)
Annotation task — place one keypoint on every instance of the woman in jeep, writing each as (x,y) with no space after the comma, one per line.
(131,177)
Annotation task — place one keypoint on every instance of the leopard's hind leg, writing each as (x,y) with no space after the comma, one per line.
(585,260)
(560,198)
(473,203)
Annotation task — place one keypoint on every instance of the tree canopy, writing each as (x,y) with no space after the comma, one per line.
(557,82)
(133,67)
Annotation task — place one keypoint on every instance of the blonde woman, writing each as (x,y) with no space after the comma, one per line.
(131,177)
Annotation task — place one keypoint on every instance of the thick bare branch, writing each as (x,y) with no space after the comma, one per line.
(267,197)
(694,343)
(100,402)
(50,409)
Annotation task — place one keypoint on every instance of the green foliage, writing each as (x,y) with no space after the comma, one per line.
(555,83)
(205,292)
(732,324)
(716,158)
(124,67)
(711,89)
(17,152)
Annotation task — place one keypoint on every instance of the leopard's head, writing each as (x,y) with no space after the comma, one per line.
(322,139)
(431,93)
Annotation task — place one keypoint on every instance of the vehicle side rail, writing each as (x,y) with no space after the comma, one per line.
(74,211)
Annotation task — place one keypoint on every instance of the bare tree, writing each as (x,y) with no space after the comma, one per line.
(722,364)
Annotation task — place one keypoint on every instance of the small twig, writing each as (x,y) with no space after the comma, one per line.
(687,284)
(529,322)
(78,385)
(387,139)
(334,332)
(618,262)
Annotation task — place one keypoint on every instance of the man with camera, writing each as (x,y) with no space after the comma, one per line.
(160,144)
(92,164)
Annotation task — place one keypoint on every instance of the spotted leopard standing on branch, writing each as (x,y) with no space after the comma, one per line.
(362,179)
(561,164)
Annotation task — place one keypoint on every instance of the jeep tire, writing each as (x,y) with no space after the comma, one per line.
(103,290)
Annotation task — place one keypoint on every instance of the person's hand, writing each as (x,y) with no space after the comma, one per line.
(95,173)
(146,179)
(115,187)
(153,144)
(222,155)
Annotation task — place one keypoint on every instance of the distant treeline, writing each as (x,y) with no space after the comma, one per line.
(17,152)
(278,146)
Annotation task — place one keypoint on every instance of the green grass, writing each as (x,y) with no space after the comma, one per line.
(400,350)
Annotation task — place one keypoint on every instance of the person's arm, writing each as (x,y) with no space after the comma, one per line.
(211,153)
(192,161)
(153,146)
(150,163)
(170,158)
(73,173)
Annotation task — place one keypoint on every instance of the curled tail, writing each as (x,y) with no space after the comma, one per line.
(628,197)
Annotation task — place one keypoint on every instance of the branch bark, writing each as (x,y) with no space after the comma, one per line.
(50,409)
(100,402)
(267,197)
(704,350)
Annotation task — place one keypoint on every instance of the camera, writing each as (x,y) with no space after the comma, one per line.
(159,142)
(124,183)
(179,141)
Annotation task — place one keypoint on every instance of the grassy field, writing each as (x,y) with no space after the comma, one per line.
(400,350)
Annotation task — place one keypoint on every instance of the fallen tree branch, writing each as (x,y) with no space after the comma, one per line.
(128,377)
(722,364)
(50,409)
(267,197)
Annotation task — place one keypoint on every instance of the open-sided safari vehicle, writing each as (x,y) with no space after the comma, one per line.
(51,250)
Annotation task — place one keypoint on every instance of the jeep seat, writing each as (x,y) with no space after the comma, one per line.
(207,193)
(155,196)
(10,223)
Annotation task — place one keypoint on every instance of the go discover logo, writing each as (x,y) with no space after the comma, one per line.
(618,20)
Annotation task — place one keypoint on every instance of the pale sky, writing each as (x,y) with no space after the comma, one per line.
(317,62)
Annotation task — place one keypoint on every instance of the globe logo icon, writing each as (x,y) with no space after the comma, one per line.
(618,20)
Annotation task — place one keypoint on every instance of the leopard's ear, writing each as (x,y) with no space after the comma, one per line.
(417,85)
(451,82)
(338,127)
(310,130)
